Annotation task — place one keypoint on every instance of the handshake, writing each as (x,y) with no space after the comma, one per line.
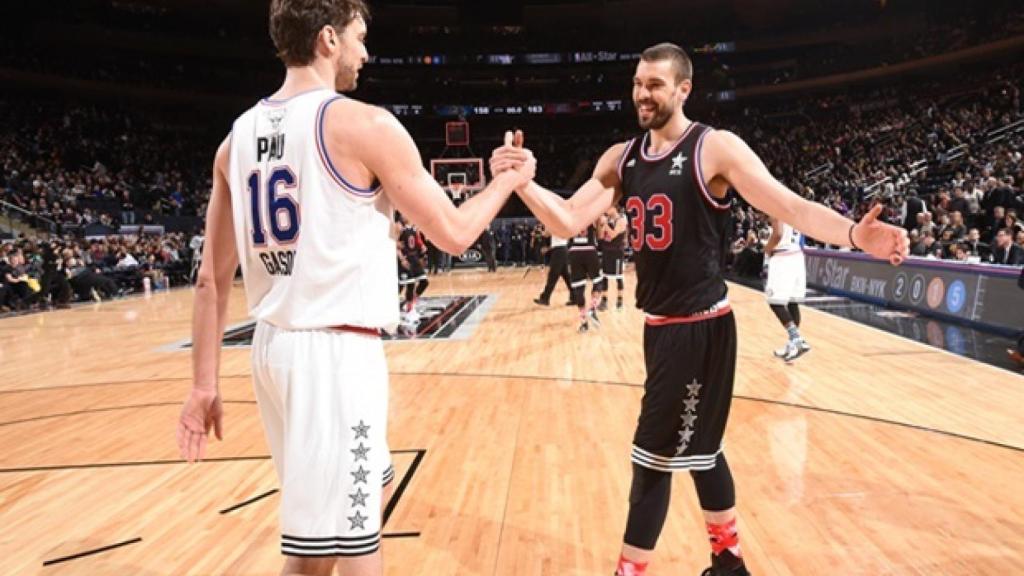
(513,159)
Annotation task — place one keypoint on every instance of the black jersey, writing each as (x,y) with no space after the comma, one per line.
(585,240)
(618,242)
(678,231)
(410,242)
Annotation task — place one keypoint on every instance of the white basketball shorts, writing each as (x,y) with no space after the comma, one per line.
(787,278)
(323,398)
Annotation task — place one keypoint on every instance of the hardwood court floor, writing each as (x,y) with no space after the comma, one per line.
(871,455)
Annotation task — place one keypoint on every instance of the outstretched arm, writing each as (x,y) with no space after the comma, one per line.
(391,155)
(726,155)
(566,218)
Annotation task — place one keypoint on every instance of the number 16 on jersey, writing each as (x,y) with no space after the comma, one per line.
(272,199)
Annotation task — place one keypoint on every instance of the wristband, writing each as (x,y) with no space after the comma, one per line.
(850,234)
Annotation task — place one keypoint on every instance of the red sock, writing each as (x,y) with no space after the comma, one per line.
(724,537)
(630,568)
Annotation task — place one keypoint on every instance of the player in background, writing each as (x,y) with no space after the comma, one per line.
(611,233)
(412,275)
(786,285)
(584,266)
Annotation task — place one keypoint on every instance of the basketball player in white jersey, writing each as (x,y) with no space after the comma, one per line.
(786,285)
(304,193)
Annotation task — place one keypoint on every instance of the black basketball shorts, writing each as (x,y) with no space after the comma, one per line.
(612,262)
(413,273)
(584,265)
(691,364)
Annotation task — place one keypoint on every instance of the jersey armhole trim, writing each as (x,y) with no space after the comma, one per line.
(625,156)
(326,159)
(698,175)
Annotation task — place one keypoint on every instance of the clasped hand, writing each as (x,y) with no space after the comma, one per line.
(512,156)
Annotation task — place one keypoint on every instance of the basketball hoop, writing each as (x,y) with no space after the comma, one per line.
(457,189)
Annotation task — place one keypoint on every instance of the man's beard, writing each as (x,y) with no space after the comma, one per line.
(345,81)
(658,119)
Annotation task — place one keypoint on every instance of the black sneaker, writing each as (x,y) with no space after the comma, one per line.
(603,305)
(570,303)
(717,567)
(618,304)
(541,302)
(712,571)
(584,327)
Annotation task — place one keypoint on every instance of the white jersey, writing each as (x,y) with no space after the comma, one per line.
(316,251)
(790,240)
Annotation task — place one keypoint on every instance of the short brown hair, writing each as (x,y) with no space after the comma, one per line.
(295,24)
(668,51)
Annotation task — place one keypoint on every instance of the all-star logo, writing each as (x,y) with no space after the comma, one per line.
(677,165)
(690,401)
(631,163)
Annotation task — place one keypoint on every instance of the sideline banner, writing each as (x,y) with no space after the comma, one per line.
(983,294)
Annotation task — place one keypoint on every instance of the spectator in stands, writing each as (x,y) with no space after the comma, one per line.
(87,282)
(925,224)
(995,222)
(1005,251)
(960,252)
(915,238)
(127,209)
(16,279)
(924,247)
(126,261)
(915,207)
(959,201)
(956,224)
(998,194)
(1010,221)
(975,247)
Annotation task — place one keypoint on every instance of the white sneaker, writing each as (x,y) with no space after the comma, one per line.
(796,350)
(782,352)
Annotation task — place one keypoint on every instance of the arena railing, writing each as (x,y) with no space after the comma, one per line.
(10,210)
(1004,132)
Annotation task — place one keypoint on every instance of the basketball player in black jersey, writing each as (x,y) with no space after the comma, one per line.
(585,265)
(674,180)
(611,232)
(411,274)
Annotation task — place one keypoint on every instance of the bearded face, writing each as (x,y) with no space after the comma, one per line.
(657,93)
(350,55)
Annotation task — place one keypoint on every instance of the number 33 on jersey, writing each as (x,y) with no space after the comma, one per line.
(678,231)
